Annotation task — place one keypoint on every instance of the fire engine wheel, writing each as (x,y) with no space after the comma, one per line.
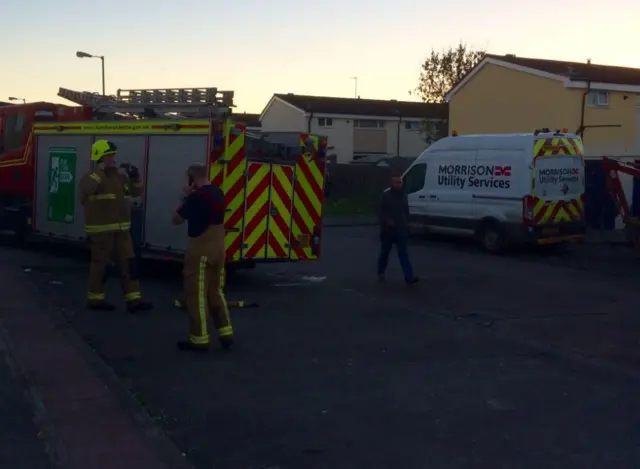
(491,236)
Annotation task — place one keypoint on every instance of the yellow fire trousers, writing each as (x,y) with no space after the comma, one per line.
(203,286)
(105,247)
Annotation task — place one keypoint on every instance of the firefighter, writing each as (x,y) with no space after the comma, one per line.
(203,209)
(107,218)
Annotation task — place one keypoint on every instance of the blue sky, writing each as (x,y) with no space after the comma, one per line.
(260,48)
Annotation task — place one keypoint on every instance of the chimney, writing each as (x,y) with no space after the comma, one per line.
(588,61)
(511,56)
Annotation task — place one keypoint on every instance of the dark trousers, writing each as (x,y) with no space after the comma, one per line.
(387,240)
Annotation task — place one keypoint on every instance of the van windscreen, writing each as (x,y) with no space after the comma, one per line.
(559,176)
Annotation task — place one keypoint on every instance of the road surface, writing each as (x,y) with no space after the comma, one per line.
(525,361)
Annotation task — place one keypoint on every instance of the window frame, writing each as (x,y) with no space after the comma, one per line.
(379,124)
(325,121)
(14,130)
(412,126)
(595,98)
(424,178)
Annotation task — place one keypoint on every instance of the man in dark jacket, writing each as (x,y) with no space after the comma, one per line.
(394,229)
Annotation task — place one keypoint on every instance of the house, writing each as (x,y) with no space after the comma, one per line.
(251,121)
(505,94)
(355,127)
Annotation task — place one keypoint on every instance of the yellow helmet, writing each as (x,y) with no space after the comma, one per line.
(102,148)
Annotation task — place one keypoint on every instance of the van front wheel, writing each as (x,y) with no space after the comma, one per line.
(491,237)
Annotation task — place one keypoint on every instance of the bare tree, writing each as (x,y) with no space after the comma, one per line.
(441,71)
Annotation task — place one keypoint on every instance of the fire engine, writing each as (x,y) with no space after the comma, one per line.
(612,168)
(273,185)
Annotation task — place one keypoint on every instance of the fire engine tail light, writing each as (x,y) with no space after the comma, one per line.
(528,203)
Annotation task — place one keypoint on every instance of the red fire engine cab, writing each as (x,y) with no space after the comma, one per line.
(17,159)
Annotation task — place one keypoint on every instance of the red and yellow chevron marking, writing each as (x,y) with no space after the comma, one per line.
(256,211)
(558,146)
(556,211)
(216,156)
(280,212)
(233,185)
(308,198)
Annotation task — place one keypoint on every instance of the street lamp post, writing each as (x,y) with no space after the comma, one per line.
(84,55)
(13,98)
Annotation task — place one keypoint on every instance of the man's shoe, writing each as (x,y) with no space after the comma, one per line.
(179,304)
(100,306)
(138,306)
(413,280)
(226,342)
(188,346)
(381,278)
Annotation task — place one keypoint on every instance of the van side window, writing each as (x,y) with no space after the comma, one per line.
(415,177)
(14,130)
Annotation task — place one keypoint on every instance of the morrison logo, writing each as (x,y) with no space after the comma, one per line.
(558,175)
(461,176)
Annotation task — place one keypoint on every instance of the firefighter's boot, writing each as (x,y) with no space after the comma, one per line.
(180,304)
(226,342)
(139,306)
(100,305)
(188,346)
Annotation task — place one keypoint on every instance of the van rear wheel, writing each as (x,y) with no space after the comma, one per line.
(491,237)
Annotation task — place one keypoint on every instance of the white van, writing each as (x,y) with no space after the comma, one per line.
(503,189)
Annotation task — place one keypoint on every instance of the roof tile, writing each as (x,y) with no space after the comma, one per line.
(366,107)
(577,71)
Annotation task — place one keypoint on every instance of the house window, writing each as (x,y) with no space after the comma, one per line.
(369,124)
(412,125)
(598,98)
(325,122)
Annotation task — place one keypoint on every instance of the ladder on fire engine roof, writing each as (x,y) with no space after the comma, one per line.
(166,103)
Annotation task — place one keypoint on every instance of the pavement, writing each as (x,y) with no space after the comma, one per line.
(523,361)
(20,442)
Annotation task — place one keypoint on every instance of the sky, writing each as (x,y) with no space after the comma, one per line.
(257,48)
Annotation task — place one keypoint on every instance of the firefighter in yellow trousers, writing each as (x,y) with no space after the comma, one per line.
(107,217)
(203,210)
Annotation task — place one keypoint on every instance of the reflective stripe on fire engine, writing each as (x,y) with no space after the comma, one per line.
(129,127)
(307,199)
(96,178)
(233,186)
(107,227)
(279,237)
(102,197)
(256,211)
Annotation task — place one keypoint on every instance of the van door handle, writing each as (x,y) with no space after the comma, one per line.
(433,196)
(421,197)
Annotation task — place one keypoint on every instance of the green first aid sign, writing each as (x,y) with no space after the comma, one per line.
(61,203)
